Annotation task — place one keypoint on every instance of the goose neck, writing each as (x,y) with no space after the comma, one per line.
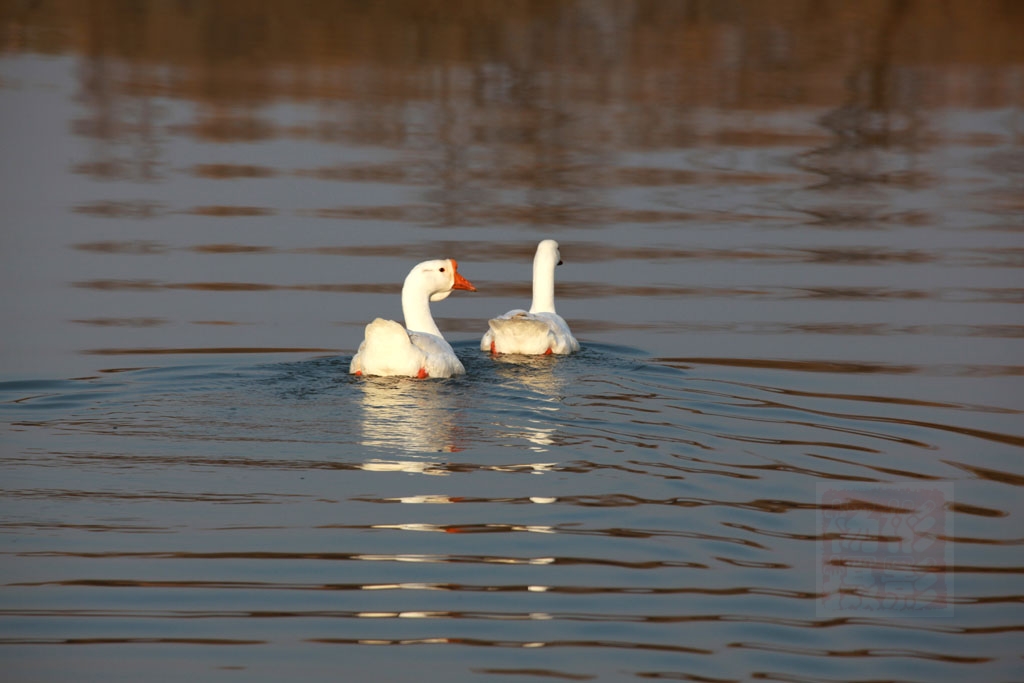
(416,309)
(543,286)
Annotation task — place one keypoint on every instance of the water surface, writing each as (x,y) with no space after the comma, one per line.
(792,256)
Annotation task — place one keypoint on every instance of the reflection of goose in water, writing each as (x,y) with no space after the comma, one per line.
(408,466)
(534,377)
(536,374)
(541,331)
(442,469)
(416,417)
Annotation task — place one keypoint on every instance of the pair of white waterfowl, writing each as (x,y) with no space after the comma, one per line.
(420,350)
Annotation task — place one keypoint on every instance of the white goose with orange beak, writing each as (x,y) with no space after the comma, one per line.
(418,349)
(541,330)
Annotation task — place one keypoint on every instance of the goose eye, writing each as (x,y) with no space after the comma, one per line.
(442,270)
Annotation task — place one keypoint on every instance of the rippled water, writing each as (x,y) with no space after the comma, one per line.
(792,257)
(605,513)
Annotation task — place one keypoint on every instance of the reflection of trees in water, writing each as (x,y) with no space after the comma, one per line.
(500,105)
(882,113)
(124,129)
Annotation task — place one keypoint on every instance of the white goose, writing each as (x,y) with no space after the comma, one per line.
(541,330)
(419,351)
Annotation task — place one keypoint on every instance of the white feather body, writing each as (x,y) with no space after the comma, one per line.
(390,349)
(540,330)
(529,333)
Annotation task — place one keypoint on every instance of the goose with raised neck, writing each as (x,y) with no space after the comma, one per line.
(418,349)
(539,331)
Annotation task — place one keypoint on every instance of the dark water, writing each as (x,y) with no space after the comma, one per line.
(791,235)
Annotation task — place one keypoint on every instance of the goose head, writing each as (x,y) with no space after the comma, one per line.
(436,279)
(547,255)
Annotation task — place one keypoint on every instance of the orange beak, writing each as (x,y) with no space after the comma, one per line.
(460,282)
